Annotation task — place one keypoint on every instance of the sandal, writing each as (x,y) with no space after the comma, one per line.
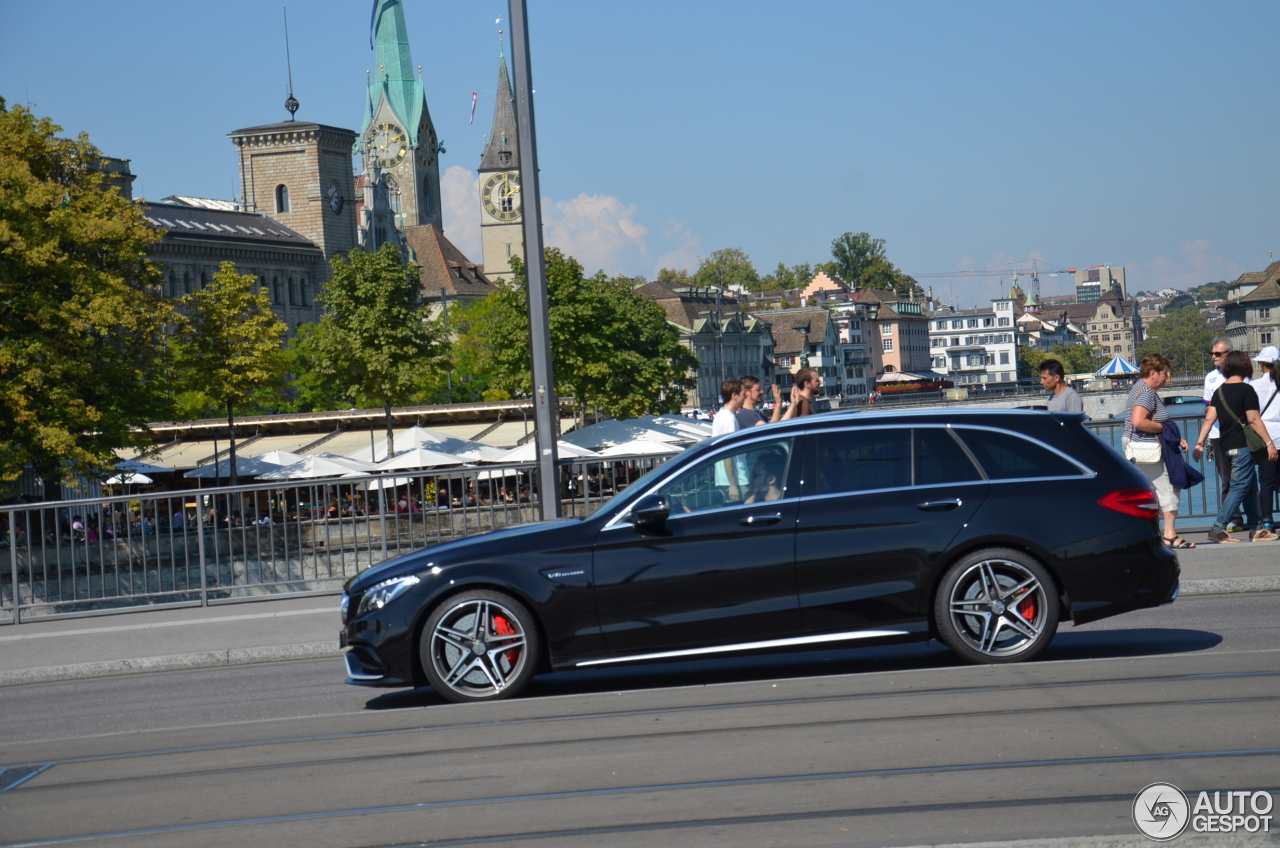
(1263,535)
(1222,538)
(1178,543)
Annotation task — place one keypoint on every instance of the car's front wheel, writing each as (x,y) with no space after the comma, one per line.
(479,645)
(996,606)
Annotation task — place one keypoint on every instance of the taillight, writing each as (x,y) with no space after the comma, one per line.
(1141,503)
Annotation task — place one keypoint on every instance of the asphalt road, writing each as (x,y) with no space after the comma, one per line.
(854,747)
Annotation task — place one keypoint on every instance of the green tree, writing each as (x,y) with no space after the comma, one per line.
(860,260)
(227,347)
(1183,337)
(727,267)
(1075,359)
(785,277)
(612,349)
(82,353)
(376,342)
(673,277)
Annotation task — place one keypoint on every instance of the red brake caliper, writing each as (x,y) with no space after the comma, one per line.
(1027,607)
(503,628)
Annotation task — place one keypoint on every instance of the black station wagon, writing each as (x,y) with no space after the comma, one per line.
(983,529)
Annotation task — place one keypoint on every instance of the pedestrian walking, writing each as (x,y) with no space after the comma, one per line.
(1221,347)
(1268,470)
(1144,419)
(1242,436)
(1062,398)
(749,416)
(726,420)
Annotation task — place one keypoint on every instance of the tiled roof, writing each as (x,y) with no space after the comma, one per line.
(657,291)
(1270,290)
(786,325)
(444,266)
(289,125)
(200,223)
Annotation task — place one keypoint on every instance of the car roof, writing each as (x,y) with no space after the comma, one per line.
(837,418)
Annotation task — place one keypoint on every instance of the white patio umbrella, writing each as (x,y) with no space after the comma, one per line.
(246,466)
(680,423)
(126,479)
(133,465)
(641,446)
(384,483)
(418,437)
(418,458)
(321,465)
(528,452)
(612,432)
(281,457)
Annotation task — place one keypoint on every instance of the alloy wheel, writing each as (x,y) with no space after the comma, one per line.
(999,608)
(479,648)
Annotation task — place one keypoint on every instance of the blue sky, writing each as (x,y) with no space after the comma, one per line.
(966,134)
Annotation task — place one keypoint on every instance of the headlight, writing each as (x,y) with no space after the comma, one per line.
(345,606)
(381,594)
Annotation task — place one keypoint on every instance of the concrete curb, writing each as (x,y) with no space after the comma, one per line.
(1230,585)
(173,662)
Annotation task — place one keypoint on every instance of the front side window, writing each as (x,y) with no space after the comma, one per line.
(1005,456)
(750,475)
(282,198)
(888,344)
(861,460)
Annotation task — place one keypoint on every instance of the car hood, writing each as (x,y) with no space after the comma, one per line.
(472,547)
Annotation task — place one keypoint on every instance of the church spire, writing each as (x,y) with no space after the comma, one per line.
(500,154)
(394,64)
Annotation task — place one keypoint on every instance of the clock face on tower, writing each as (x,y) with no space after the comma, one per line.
(427,148)
(500,195)
(388,143)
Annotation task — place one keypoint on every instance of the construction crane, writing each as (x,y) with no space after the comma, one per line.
(1000,272)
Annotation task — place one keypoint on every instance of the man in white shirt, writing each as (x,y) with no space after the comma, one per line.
(1212,380)
(726,420)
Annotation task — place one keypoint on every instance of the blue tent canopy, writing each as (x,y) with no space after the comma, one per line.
(1118,366)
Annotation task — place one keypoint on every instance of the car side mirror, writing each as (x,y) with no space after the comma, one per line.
(651,509)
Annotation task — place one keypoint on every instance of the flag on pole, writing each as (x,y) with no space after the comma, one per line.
(473,108)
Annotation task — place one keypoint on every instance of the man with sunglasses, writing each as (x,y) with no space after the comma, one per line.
(1212,380)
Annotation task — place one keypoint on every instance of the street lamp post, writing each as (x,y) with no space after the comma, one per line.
(546,404)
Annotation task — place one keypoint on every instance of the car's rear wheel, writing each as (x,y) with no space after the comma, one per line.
(479,645)
(997,606)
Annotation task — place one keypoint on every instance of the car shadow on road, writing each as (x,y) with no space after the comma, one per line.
(1067,645)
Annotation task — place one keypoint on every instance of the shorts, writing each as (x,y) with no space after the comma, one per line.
(1159,477)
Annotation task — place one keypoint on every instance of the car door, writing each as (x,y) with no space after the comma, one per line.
(880,507)
(720,570)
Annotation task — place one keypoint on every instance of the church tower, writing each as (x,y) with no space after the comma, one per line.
(398,141)
(501,227)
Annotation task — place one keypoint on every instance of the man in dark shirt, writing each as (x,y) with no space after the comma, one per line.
(752,394)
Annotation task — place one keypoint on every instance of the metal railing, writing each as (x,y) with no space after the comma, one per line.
(231,543)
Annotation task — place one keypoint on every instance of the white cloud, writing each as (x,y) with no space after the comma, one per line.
(460,202)
(599,230)
(1192,267)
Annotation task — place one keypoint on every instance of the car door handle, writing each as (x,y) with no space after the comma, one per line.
(939,506)
(760,520)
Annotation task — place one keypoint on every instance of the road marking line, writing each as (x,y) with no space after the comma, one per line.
(123,627)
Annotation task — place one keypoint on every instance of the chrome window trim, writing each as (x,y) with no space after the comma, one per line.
(750,646)
(715,510)
(662,481)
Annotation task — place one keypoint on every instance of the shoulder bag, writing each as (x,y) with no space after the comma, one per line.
(1256,444)
(1144,452)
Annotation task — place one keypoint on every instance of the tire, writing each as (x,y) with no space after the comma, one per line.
(1012,623)
(466,663)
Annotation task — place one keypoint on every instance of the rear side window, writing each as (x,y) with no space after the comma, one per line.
(858,460)
(940,459)
(1007,457)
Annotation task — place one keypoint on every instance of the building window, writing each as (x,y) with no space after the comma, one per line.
(293,292)
(277,292)
(186,282)
(508,250)
(886,329)
(282,198)
(1004,357)
(955,340)
(973,322)
(986,322)
(1264,314)
(1265,338)
(204,279)
(1004,322)
(173,284)
(888,344)
(304,291)
(955,325)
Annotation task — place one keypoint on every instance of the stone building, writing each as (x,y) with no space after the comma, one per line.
(898,340)
(501,224)
(202,234)
(805,336)
(1093,283)
(976,345)
(727,340)
(1252,309)
(1110,321)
